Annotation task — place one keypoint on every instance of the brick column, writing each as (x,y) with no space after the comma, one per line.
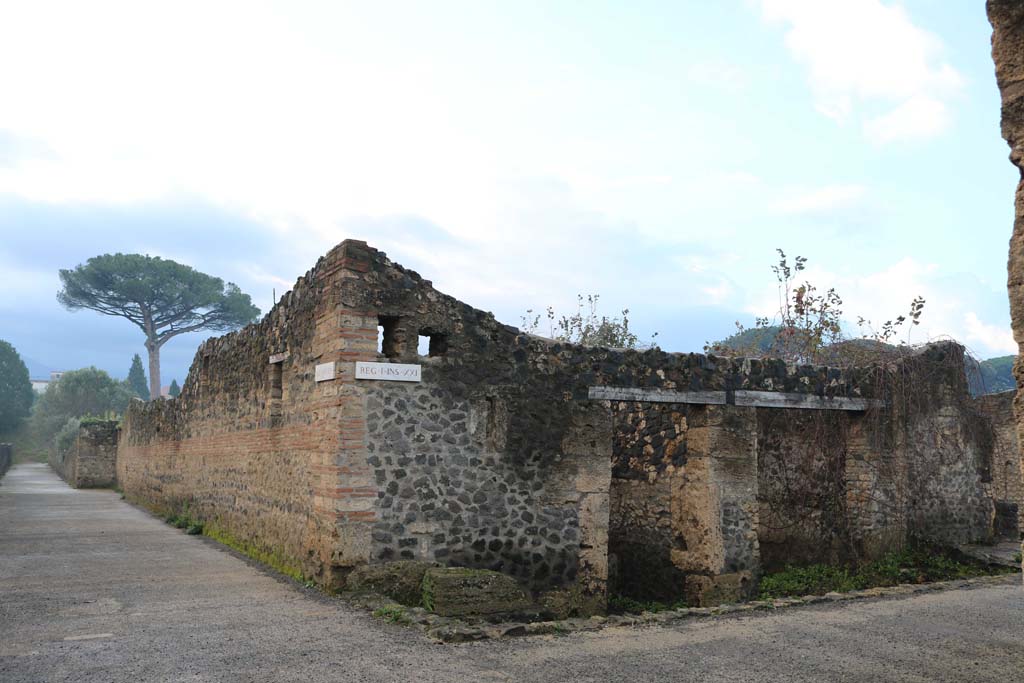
(345,498)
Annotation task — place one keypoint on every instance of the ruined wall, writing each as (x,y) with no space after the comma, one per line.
(948,447)
(91,460)
(841,487)
(500,455)
(1007,478)
(1007,18)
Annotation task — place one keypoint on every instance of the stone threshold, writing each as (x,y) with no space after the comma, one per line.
(452,630)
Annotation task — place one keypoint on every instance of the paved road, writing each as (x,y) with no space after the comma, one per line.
(93,589)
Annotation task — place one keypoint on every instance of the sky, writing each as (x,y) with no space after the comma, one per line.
(517,154)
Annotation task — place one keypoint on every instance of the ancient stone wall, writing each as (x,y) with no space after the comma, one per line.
(500,453)
(852,486)
(253,446)
(947,447)
(1007,18)
(1007,478)
(92,461)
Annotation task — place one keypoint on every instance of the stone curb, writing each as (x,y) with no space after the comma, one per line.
(450,630)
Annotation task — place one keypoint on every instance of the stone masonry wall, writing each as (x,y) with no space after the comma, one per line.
(842,487)
(91,463)
(1007,18)
(486,462)
(253,445)
(496,458)
(1007,478)
(6,457)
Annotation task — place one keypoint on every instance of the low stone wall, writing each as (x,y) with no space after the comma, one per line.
(6,457)
(91,462)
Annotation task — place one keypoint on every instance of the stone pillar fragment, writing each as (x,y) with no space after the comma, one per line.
(714,506)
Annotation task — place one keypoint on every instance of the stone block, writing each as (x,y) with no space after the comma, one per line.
(401,581)
(459,591)
(708,591)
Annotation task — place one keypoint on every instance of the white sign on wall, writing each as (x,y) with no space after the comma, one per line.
(324,372)
(391,372)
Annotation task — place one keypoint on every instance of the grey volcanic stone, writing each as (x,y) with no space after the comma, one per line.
(459,591)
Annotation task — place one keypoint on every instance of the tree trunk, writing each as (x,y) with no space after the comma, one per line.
(154,368)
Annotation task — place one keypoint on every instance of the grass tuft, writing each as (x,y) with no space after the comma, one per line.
(621,604)
(396,614)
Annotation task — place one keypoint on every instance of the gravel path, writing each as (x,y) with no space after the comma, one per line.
(93,589)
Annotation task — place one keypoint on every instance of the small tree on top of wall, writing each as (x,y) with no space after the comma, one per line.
(808,326)
(808,474)
(587,327)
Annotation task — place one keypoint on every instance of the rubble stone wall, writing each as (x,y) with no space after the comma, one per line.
(1007,478)
(495,457)
(842,487)
(252,447)
(93,458)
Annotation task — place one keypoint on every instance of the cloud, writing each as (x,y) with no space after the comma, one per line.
(993,337)
(821,200)
(717,74)
(917,118)
(869,59)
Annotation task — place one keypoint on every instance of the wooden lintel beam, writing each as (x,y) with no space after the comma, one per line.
(752,399)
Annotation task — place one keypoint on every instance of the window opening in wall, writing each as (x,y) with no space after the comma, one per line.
(432,343)
(387,342)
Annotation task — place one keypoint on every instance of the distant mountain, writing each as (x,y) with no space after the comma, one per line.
(990,376)
(36,370)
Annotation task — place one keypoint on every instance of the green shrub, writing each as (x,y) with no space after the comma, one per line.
(920,564)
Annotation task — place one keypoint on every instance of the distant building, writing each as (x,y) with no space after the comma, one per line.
(39,385)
